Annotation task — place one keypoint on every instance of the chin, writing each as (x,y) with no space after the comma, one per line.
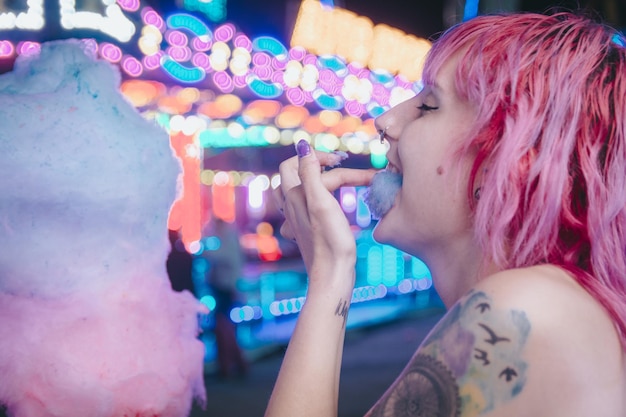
(381,234)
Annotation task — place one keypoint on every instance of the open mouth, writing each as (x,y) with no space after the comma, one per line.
(382,191)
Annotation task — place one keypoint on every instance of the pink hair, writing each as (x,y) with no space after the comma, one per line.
(550,137)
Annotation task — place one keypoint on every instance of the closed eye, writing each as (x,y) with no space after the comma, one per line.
(426,107)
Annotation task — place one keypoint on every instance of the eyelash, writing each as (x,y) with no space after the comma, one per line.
(426,107)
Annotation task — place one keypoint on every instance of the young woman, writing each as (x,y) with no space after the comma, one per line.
(513,192)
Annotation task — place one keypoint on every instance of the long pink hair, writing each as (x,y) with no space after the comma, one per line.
(550,136)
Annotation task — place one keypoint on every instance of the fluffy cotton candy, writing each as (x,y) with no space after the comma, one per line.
(89,325)
(381,193)
(130,350)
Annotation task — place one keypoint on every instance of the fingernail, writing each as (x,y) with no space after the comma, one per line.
(341,154)
(303,148)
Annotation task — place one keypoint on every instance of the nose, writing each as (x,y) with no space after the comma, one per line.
(392,121)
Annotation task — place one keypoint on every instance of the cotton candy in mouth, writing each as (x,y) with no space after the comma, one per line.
(382,192)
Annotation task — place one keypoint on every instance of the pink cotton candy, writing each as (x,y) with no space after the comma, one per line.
(129,350)
(89,324)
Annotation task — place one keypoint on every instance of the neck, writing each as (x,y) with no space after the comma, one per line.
(456,269)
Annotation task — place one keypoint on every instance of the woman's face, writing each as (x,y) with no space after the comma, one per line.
(431,208)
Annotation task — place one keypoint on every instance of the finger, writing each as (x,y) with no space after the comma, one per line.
(286,231)
(341,177)
(288,171)
(278,197)
(309,169)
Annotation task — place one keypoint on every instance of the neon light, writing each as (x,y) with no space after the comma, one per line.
(209,301)
(374,110)
(181,72)
(242,41)
(28,48)
(113,23)
(261,59)
(215,10)
(334,63)
(419,269)
(328,102)
(354,108)
(264,73)
(269,44)
(348,199)
(378,161)
(264,89)
(190,23)
(202,60)
(296,96)
(110,52)
(221,138)
(179,53)
(176,38)
(363,214)
(132,66)
(392,265)
(129,5)
(32,19)
(150,17)
(225,32)
(152,62)
(240,81)
(223,81)
(201,44)
(278,78)
(471,9)
(6,49)
(297,53)
(279,63)
(256,190)
(374,273)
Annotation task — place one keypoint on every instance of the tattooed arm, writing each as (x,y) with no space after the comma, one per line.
(523,343)
(472,360)
(308,381)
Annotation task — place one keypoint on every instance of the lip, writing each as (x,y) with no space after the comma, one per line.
(391,167)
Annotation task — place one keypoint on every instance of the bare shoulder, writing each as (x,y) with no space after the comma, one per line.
(526,342)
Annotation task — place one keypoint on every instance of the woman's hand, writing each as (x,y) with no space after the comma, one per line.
(313,217)
(308,381)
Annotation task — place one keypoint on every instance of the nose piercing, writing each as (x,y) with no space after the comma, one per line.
(381,134)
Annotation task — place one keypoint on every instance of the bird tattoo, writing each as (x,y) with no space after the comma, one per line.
(493,337)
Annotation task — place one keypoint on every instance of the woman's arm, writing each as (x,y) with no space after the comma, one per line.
(308,381)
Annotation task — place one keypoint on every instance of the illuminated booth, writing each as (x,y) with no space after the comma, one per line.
(223,96)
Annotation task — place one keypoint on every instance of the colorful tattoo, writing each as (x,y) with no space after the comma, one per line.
(471,362)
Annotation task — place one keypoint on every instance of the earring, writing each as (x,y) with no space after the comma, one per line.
(381,134)
(477,193)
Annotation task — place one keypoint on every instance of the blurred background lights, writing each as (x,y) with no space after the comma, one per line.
(129,5)
(6,49)
(131,66)
(363,214)
(347,198)
(221,178)
(177,123)
(113,23)
(256,192)
(31,19)
(214,10)
(275,181)
(189,23)
(209,301)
